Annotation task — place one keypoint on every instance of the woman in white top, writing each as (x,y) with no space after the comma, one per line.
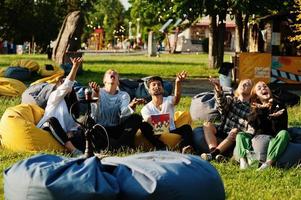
(57,118)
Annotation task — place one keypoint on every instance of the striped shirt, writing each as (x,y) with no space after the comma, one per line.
(234,113)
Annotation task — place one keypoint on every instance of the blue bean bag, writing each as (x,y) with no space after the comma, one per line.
(166,175)
(51,177)
(154,175)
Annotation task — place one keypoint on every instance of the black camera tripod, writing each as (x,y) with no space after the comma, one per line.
(81,114)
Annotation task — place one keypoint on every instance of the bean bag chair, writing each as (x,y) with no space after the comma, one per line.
(18,130)
(2,71)
(170,139)
(49,70)
(29,64)
(11,87)
(50,79)
(19,73)
(290,157)
(203,106)
(200,143)
(51,177)
(153,175)
(166,175)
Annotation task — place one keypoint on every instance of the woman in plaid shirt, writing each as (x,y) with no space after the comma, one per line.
(234,111)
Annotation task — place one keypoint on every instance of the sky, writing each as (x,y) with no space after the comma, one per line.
(125,4)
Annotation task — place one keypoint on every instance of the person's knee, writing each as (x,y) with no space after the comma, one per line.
(135,118)
(239,136)
(209,128)
(207,124)
(283,134)
(186,128)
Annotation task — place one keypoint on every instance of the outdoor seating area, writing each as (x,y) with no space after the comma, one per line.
(120,99)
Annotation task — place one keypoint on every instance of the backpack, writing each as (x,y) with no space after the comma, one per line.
(203,106)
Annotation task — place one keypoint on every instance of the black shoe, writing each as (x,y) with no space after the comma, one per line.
(220,158)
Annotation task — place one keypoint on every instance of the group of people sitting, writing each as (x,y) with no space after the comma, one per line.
(114,111)
(247,117)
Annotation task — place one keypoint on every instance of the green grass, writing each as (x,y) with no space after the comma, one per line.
(132,66)
(249,184)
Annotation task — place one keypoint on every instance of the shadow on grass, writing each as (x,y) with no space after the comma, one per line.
(111,62)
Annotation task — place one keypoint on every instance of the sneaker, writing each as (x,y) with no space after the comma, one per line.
(264,166)
(206,156)
(220,158)
(243,164)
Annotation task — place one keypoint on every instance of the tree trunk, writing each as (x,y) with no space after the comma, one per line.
(246,33)
(212,51)
(238,32)
(69,36)
(175,42)
(220,42)
(167,42)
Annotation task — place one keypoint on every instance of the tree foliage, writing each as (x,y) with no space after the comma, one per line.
(36,20)
(297,26)
(107,14)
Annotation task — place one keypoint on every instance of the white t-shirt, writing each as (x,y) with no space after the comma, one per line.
(167,107)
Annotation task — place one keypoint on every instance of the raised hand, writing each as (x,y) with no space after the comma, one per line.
(94,86)
(76,61)
(136,101)
(181,76)
(75,64)
(215,82)
(263,105)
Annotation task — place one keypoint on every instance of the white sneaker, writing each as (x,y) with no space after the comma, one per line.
(264,166)
(243,164)
(206,156)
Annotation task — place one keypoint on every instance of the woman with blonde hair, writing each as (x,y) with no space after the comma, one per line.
(234,111)
(268,118)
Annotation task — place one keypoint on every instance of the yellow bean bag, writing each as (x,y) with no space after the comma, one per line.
(44,72)
(2,71)
(50,79)
(11,87)
(29,64)
(18,130)
(170,139)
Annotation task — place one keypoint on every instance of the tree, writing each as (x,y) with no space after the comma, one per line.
(297,26)
(244,9)
(108,14)
(36,20)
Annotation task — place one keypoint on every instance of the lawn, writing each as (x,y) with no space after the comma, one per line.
(249,184)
